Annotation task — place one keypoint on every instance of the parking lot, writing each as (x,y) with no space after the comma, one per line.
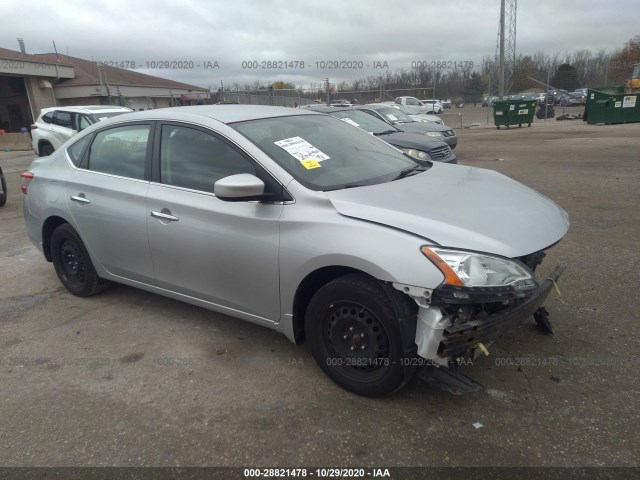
(131,378)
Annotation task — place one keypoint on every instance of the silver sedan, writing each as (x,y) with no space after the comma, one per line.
(302,223)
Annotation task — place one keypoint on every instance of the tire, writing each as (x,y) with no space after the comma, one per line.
(352,329)
(73,264)
(46,149)
(3,189)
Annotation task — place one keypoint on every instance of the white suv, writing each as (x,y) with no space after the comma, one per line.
(433,106)
(56,125)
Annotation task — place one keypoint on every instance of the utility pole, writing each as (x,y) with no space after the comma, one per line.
(327,87)
(501,74)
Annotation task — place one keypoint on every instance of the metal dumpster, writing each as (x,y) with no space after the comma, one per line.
(612,105)
(513,112)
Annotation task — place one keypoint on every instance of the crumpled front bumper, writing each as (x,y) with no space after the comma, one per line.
(464,336)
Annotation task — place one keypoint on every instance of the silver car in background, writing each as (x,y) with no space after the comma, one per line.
(302,223)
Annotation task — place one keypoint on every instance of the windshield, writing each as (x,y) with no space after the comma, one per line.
(395,115)
(323,153)
(363,120)
(404,110)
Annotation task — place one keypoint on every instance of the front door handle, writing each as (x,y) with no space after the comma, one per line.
(165,216)
(80,198)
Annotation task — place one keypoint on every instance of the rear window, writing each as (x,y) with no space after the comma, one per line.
(48,117)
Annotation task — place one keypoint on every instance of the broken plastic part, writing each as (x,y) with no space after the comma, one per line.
(483,349)
(421,295)
(430,332)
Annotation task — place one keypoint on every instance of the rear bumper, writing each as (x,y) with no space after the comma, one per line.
(462,337)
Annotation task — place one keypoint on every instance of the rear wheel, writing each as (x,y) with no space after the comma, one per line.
(352,329)
(46,149)
(3,189)
(73,264)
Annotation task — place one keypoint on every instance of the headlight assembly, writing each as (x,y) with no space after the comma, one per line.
(468,269)
(433,134)
(417,154)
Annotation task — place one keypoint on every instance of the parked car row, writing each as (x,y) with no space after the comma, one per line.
(418,146)
(291,219)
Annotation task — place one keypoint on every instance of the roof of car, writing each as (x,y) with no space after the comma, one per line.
(88,109)
(221,113)
(376,106)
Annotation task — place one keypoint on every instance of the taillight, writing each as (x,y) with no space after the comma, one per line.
(26,180)
(33,127)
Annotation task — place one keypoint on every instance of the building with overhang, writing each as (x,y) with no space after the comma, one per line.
(30,82)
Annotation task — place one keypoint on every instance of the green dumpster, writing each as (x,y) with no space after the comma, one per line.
(513,112)
(612,105)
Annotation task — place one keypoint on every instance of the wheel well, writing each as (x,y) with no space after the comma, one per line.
(49,226)
(307,288)
(42,143)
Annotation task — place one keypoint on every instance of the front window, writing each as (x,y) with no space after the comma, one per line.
(195,159)
(323,153)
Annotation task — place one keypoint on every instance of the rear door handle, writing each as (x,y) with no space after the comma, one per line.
(80,198)
(164,216)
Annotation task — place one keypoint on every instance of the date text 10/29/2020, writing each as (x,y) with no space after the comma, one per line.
(326,64)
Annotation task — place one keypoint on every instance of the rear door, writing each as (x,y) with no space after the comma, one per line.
(225,253)
(106,197)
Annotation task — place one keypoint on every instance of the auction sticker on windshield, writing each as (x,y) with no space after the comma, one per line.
(349,121)
(301,149)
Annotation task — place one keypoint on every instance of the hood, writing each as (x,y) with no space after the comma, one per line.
(422,127)
(460,207)
(411,140)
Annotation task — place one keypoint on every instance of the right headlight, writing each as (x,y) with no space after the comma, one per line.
(469,269)
(417,154)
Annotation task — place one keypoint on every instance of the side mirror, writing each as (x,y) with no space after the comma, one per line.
(239,188)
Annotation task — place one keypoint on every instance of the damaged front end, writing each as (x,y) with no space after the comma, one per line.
(482,297)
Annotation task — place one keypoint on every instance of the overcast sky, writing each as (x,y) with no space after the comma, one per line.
(367,31)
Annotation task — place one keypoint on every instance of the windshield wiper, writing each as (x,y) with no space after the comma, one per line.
(408,171)
(385,132)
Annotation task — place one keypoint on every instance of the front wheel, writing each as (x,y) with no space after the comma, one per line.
(3,189)
(354,336)
(73,264)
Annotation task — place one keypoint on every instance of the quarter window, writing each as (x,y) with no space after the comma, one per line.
(195,159)
(76,150)
(120,151)
(48,117)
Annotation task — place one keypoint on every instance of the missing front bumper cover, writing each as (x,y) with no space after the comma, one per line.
(462,336)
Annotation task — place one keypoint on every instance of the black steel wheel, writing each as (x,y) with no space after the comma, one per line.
(3,189)
(352,329)
(73,264)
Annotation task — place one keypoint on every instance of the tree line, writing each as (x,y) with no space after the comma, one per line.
(571,70)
